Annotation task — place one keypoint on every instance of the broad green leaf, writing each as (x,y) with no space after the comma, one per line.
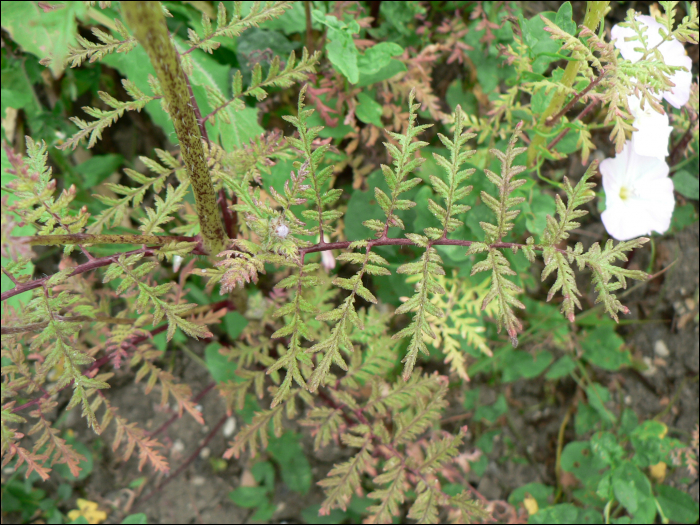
(264,473)
(633,490)
(487,440)
(248,497)
(605,446)
(561,368)
(598,395)
(524,364)
(541,47)
(235,323)
(394,67)
(289,455)
(341,50)
(492,412)
(96,169)
(377,57)
(540,492)
(541,98)
(683,216)
(602,347)
(677,506)
(135,519)
(220,368)
(311,515)
(44,33)
(369,110)
(579,459)
(562,513)
(564,19)
(343,54)
(686,184)
(293,20)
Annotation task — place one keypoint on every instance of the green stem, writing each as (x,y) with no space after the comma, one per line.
(594,15)
(148,23)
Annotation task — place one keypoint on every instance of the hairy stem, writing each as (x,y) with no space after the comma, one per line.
(86,238)
(320,247)
(148,23)
(390,241)
(81,268)
(551,121)
(33,327)
(563,133)
(594,15)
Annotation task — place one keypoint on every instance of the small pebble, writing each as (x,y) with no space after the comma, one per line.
(661,349)
(205,453)
(198,481)
(178,446)
(229,427)
(651,369)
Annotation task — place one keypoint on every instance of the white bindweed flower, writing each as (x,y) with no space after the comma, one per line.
(638,194)
(653,130)
(672,51)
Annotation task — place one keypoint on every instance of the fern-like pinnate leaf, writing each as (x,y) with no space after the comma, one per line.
(503,290)
(132,196)
(317,195)
(556,231)
(417,418)
(109,44)
(464,321)
(240,265)
(506,184)
(429,267)
(233,27)
(165,209)
(600,261)
(294,71)
(452,188)
(429,496)
(296,329)
(258,428)
(405,161)
(344,478)
(105,119)
(57,344)
(345,316)
(35,191)
(134,277)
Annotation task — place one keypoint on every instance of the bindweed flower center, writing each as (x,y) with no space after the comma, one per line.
(627,192)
